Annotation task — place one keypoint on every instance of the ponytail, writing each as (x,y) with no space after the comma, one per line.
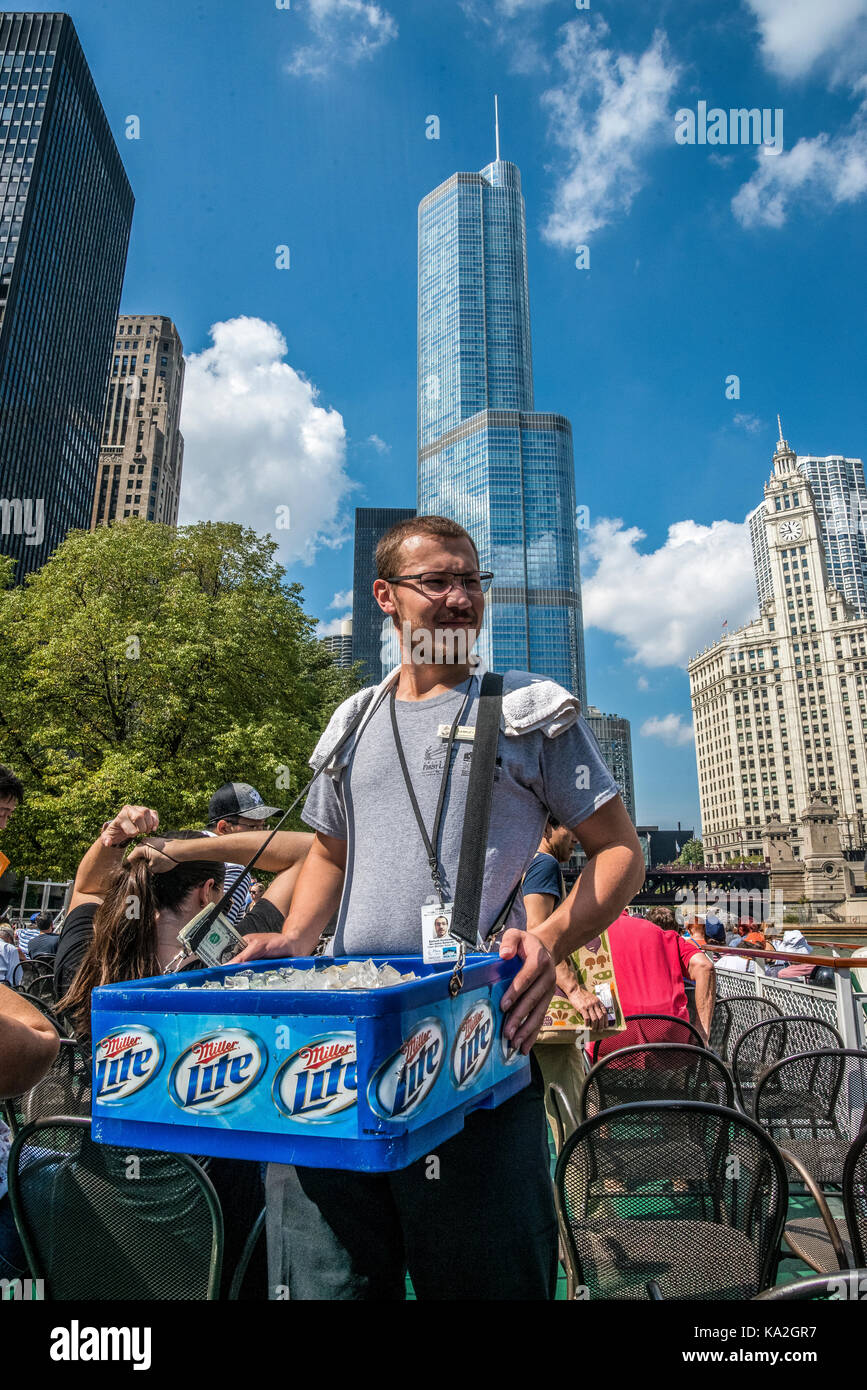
(124,944)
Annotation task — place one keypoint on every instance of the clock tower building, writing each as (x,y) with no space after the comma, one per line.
(780,705)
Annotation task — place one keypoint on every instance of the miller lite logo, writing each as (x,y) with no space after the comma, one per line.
(508,1053)
(216,1069)
(406,1079)
(125,1060)
(473,1042)
(319,1079)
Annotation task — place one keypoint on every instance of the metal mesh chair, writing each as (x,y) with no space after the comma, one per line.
(648,1028)
(28,972)
(847,1284)
(732,1016)
(99,1222)
(767,1042)
(633,1216)
(65,1089)
(561,1110)
(855,1196)
(813,1105)
(658,1071)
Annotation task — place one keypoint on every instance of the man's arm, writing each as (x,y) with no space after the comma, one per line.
(288,847)
(702,971)
(612,876)
(539,907)
(28,1044)
(314,903)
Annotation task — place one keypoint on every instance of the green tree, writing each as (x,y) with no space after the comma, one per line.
(150,665)
(692,855)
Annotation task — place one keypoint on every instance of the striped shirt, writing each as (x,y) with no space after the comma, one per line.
(238,904)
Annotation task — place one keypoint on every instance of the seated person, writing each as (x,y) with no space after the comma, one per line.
(45,944)
(650,965)
(166,883)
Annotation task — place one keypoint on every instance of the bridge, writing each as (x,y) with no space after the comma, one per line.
(662,886)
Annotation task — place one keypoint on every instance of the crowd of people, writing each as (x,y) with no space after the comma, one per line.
(385,817)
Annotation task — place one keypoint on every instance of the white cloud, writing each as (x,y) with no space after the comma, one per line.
(667,604)
(514,24)
(259,449)
(379,444)
(818,173)
(607,112)
(670,728)
(344,32)
(751,423)
(798,35)
(342,600)
(643,683)
(332,628)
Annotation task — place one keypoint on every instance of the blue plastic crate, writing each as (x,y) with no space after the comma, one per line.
(368,1080)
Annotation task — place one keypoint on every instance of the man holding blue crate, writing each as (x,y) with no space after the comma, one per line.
(475,1220)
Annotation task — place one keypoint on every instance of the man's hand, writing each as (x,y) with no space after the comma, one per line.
(264,945)
(150,852)
(128,824)
(589,1006)
(529,994)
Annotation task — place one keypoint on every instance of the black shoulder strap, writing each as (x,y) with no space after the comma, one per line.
(477,813)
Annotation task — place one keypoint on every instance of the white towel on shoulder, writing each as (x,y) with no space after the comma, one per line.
(529,703)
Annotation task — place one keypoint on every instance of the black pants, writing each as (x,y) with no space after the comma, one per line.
(473,1220)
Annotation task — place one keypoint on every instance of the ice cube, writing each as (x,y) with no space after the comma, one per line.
(389,976)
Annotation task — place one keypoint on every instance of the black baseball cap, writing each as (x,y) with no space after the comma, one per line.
(238,799)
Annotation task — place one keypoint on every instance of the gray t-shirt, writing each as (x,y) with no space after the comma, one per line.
(387,873)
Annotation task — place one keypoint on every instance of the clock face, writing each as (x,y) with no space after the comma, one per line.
(790,530)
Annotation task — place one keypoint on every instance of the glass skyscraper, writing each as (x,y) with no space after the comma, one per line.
(487,459)
(64,228)
(372,639)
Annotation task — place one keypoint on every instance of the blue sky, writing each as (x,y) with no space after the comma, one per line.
(305,128)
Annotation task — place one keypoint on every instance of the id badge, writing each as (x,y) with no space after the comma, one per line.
(437,943)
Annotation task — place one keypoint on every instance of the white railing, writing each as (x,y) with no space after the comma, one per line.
(842,1006)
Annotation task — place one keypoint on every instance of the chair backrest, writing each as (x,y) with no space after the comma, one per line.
(842,1284)
(563,1120)
(855,1195)
(732,1016)
(688,1195)
(65,1089)
(656,1071)
(648,1028)
(765,1043)
(99,1222)
(814,1105)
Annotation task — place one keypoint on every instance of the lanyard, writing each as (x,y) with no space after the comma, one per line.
(431,842)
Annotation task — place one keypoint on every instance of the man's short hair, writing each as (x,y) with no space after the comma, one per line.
(7,934)
(389,547)
(662,917)
(10,785)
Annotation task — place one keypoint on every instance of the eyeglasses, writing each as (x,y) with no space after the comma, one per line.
(437,584)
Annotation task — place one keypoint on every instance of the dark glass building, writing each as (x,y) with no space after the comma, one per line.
(64,229)
(486,457)
(371,630)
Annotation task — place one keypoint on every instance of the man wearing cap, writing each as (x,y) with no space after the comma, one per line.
(237,806)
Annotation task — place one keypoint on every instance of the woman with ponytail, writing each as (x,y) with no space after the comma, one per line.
(125,914)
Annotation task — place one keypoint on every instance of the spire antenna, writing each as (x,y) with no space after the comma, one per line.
(780,428)
(497,125)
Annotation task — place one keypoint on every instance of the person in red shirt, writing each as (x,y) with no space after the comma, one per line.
(650,966)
